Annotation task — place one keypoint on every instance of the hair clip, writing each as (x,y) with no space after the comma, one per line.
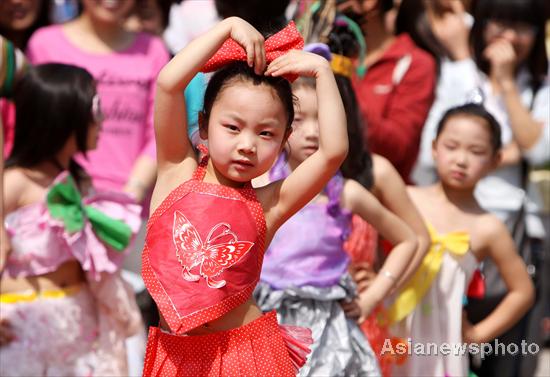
(476,97)
(356,30)
(97,114)
(321,49)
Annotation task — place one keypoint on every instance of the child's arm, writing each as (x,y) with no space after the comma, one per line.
(496,243)
(309,178)
(361,202)
(391,191)
(173,145)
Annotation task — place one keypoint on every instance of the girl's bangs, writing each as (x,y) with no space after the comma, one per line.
(511,11)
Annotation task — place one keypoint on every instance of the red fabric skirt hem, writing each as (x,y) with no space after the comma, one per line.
(259,348)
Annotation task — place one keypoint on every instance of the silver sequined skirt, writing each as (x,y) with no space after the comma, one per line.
(340,348)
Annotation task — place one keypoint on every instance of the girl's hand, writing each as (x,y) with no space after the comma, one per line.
(6,333)
(363,274)
(300,63)
(447,19)
(354,310)
(469,331)
(252,41)
(503,61)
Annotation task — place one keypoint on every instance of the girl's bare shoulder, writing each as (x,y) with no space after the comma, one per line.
(419,193)
(15,179)
(485,230)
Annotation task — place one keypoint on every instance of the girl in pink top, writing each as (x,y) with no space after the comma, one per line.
(125,65)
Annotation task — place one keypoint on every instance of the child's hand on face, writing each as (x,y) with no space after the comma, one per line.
(300,63)
(252,41)
(503,60)
(449,27)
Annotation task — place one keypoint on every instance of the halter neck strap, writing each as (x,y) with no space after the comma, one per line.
(200,172)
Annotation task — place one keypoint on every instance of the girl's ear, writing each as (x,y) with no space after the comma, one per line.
(203,127)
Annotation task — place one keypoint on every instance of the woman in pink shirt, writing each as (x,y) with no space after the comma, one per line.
(125,65)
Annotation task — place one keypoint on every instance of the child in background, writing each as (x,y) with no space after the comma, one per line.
(205,240)
(466,148)
(65,310)
(305,271)
(12,66)
(373,172)
(125,65)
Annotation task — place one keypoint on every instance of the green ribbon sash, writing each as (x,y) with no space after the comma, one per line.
(65,203)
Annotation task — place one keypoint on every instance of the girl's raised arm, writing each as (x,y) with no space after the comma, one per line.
(173,145)
(309,178)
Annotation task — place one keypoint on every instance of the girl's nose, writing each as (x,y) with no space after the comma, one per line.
(247,144)
(310,129)
(462,159)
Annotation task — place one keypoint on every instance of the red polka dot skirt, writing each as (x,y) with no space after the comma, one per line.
(260,348)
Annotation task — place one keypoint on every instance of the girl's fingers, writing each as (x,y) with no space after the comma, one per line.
(262,57)
(249,48)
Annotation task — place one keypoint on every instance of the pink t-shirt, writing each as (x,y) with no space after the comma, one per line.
(126,86)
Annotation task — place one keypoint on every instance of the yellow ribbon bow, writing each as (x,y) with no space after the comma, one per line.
(415,289)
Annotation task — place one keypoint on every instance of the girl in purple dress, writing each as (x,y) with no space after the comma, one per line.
(305,273)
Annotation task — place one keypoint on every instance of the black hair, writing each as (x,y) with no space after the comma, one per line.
(164,9)
(341,40)
(240,71)
(266,16)
(531,12)
(42,19)
(52,103)
(478,111)
(412,18)
(384,6)
(358,164)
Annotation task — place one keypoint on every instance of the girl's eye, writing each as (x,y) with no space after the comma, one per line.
(266,133)
(232,127)
(478,152)
(450,146)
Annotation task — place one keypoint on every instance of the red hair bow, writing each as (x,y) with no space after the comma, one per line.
(278,44)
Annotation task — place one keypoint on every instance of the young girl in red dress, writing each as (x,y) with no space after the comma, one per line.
(209,229)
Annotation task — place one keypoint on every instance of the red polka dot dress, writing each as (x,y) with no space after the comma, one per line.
(202,258)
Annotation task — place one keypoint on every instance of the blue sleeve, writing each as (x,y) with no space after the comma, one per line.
(194,100)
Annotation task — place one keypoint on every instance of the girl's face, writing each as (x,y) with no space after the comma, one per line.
(463,153)
(304,140)
(147,16)
(519,34)
(246,131)
(108,11)
(19,15)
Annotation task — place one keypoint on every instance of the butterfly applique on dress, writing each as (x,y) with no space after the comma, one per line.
(211,259)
